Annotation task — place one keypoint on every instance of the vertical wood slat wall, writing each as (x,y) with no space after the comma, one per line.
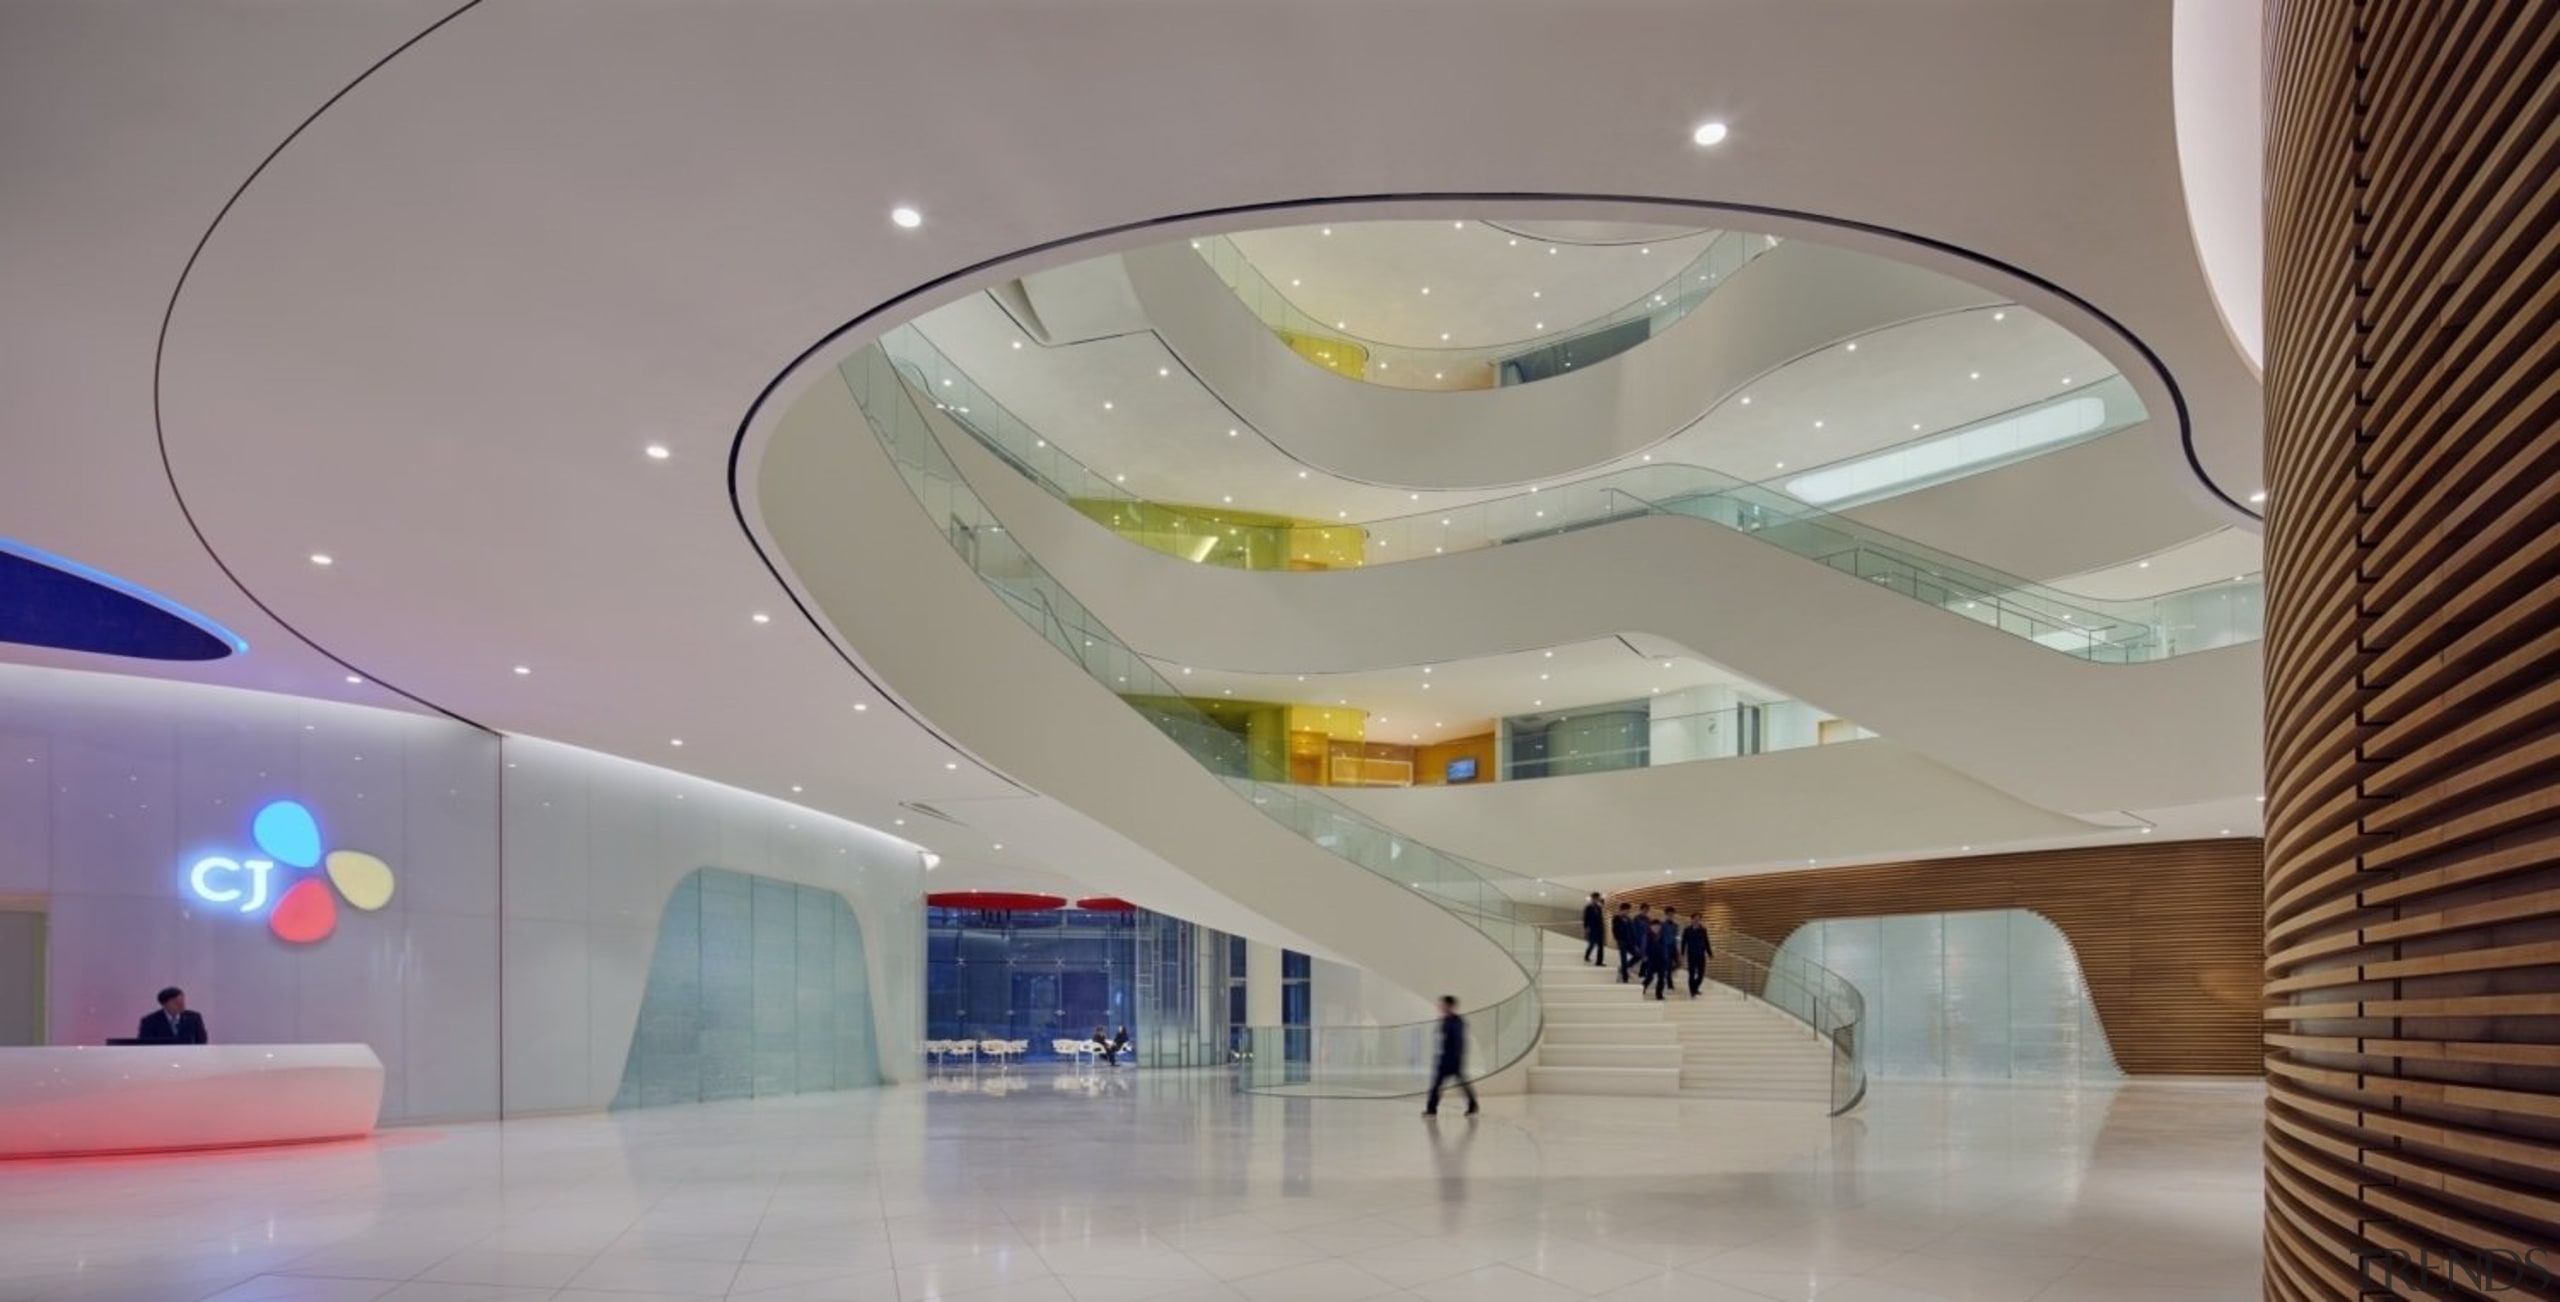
(2413,648)
(2166,933)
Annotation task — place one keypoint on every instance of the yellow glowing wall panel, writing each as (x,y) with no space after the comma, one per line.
(1244,540)
(1335,355)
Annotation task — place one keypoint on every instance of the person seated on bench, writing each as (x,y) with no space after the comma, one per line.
(1101,1041)
(1111,1051)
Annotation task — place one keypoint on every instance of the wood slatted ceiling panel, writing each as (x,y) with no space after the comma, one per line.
(2166,933)
(2413,645)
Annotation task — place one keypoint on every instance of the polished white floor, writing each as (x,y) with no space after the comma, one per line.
(1057,1187)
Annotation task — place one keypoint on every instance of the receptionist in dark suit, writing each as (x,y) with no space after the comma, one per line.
(173,1024)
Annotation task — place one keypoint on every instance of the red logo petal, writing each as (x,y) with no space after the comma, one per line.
(306,914)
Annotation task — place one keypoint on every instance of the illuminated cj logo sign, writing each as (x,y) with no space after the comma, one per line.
(305,911)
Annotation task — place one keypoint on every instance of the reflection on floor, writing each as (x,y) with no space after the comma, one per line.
(1171,1187)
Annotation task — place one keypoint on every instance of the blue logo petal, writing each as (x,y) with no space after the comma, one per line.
(288,832)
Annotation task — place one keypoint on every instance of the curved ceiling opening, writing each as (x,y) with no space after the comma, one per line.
(56,602)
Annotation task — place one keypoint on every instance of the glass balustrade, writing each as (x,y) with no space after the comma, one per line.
(1542,356)
(1482,896)
(2106,632)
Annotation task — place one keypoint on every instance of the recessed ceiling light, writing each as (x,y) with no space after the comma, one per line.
(2066,379)
(1164,370)
(1974,375)
(1551,248)
(1551,655)
(1746,400)
(1542,325)
(524,669)
(908,218)
(1302,474)
(657,452)
(2259,496)
(1709,133)
(859,707)
(999,845)
(1426,289)
(897,822)
(1964,847)
(1106,406)
(1817,424)
(1444,338)
(1646,249)
(1537,702)
(1017,344)
(675,741)
(2146,831)
(1229,500)
(355,678)
(1853,347)
(2144,565)
(1537,293)
(761,617)
(795,788)
(1782,465)
(1915,424)
(1119,479)
(323,558)
(1340,326)
(1328,230)
(948,764)
(1999,316)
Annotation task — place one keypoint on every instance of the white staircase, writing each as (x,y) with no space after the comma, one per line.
(1739,1048)
(1600,1038)
(1606,1038)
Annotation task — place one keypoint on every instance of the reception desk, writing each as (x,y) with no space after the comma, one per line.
(68,1101)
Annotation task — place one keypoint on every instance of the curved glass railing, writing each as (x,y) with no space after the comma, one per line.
(1825,1001)
(1379,1061)
(2107,632)
(1477,894)
(1549,353)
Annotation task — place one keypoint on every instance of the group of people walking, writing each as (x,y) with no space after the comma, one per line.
(1648,947)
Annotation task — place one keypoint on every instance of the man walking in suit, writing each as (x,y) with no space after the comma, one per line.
(1621,929)
(1595,921)
(1452,1063)
(1697,949)
(1631,956)
(1663,954)
(173,1024)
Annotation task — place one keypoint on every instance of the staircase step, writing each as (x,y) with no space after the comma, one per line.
(1610,1055)
(1604,1080)
(1609,1033)
(1601,1012)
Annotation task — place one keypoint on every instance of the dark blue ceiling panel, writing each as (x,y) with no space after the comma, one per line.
(53,601)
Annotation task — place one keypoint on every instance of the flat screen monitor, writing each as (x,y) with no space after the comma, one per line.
(1462,769)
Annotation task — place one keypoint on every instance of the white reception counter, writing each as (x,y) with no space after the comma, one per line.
(64,1101)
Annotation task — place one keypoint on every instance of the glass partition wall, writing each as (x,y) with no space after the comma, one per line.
(1042,976)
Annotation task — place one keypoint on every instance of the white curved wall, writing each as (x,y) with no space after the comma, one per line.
(505,974)
(1795,298)
(2082,508)
(2057,732)
(1847,800)
(832,507)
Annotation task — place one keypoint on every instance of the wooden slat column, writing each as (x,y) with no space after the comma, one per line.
(2413,649)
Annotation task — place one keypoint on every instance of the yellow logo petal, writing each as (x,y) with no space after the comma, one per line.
(363,880)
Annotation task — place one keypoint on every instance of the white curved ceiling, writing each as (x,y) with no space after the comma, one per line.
(1486,285)
(435,332)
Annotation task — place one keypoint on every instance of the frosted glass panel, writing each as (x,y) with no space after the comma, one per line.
(1993,995)
(758,988)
